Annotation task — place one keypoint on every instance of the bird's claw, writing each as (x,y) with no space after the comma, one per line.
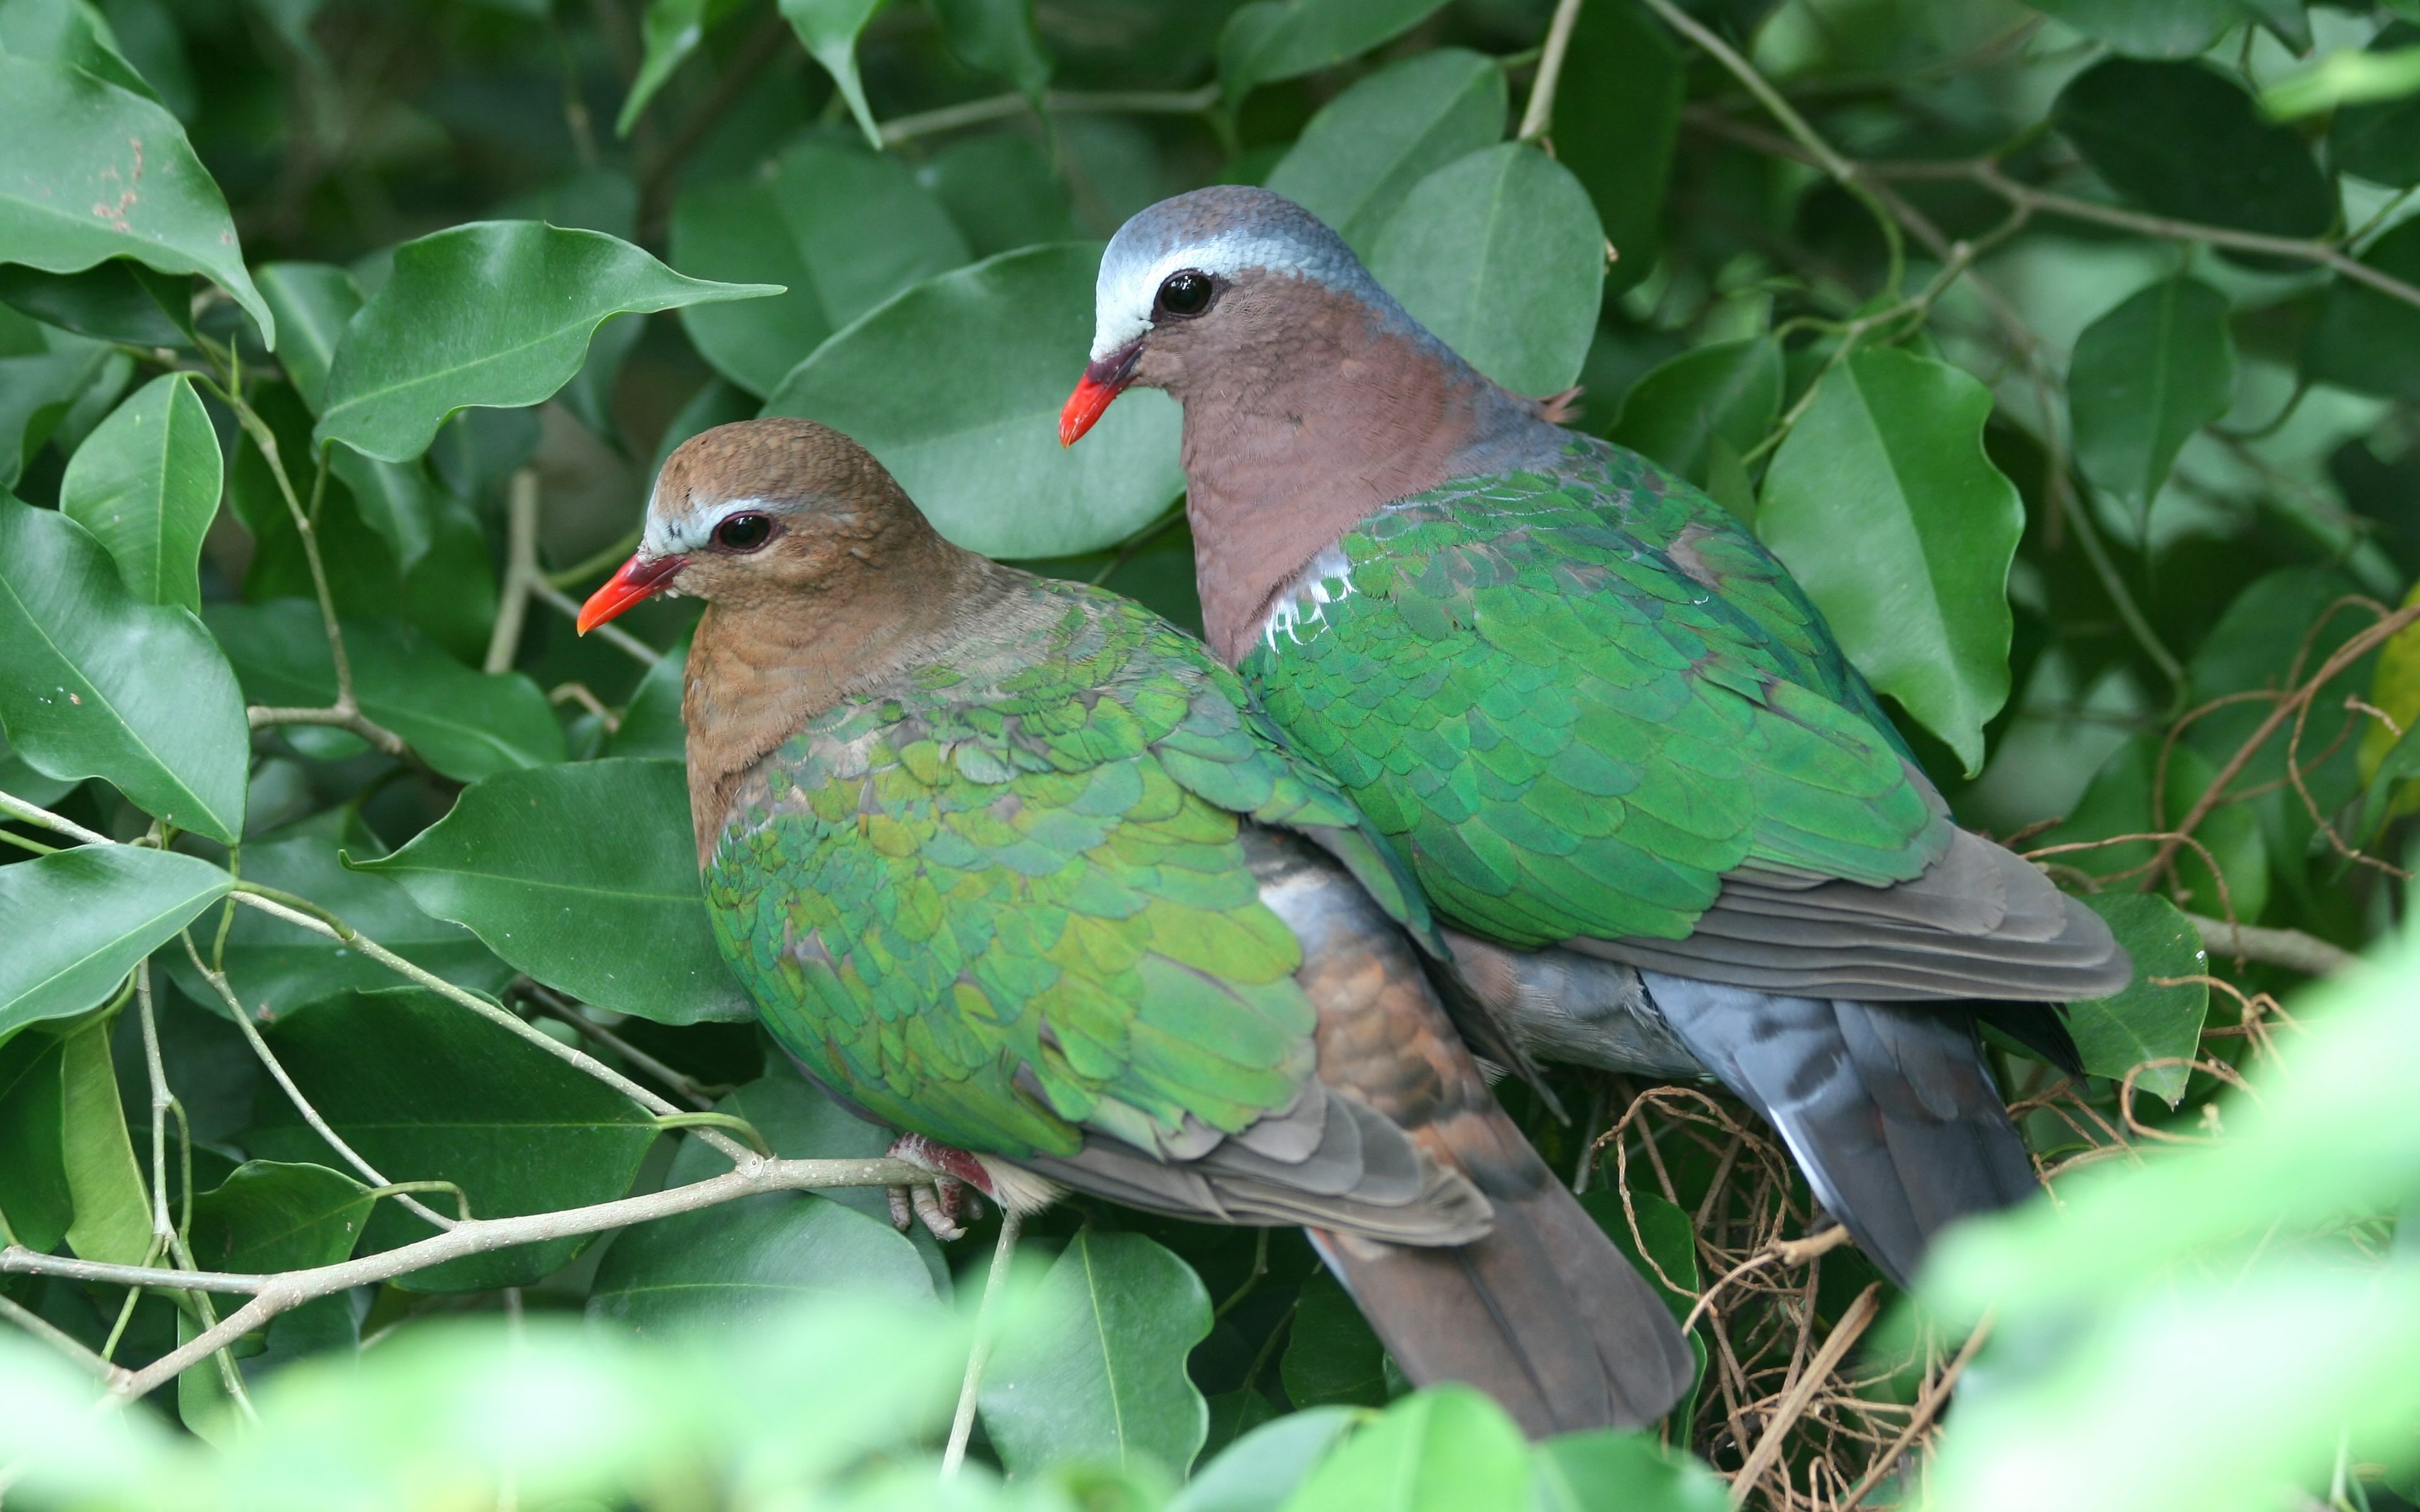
(951,1192)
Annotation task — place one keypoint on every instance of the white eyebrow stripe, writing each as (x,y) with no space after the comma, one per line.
(691,533)
(1123,294)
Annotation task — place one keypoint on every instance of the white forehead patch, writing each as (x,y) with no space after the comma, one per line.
(694,529)
(1123,294)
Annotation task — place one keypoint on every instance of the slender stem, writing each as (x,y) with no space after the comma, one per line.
(2078,514)
(57,1339)
(2287,947)
(1538,117)
(1061,102)
(569,1014)
(612,556)
(612,635)
(520,570)
(962,1426)
(18,809)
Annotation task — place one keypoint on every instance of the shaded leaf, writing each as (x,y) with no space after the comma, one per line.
(146,484)
(313,301)
(1366,148)
(67,194)
(113,1212)
(2145,1022)
(2181,139)
(467,725)
(1438,1450)
(426,1091)
(957,386)
(1332,1356)
(496,314)
(1499,254)
(1883,506)
(2146,376)
(828,29)
(120,299)
(583,875)
(1001,191)
(2118,801)
(1729,392)
(1617,117)
(269,1216)
(2149,28)
(1273,40)
(1095,1368)
(2364,338)
(734,1266)
(996,36)
(2380,140)
(36,390)
(1258,1471)
(102,684)
(670,32)
(651,721)
(394,499)
(35,1201)
(79,920)
(801,221)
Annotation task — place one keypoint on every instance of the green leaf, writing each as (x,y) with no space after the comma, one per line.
(113,1213)
(2365,337)
(427,1090)
(37,390)
(313,301)
(119,300)
(1273,40)
(1366,148)
(957,386)
(272,1216)
(1332,1357)
(146,484)
(1258,1471)
(102,684)
(1883,506)
(1583,1472)
(21,780)
(79,920)
(78,147)
(495,314)
(1729,392)
(828,29)
(2380,140)
(2182,140)
(394,499)
(467,725)
(1617,117)
(1499,254)
(278,967)
(2118,801)
(1001,191)
(583,875)
(801,221)
(2144,378)
(1096,1367)
(2145,1022)
(734,1266)
(998,37)
(2150,28)
(70,32)
(1438,1450)
(651,721)
(671,31)
(34,1197)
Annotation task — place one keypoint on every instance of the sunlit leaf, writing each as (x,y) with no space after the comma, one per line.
(1444,1448)
(147,484)
(1365,149)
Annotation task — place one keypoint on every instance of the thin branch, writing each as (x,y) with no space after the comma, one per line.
(520,570)
(264,716)
(1538,117)
(612,635)
(1928,1407)
(2287,947)
(1852,1326)
(60,1339)
(1061,102)
(18,809)
(569,1014)
(581,572)
(979,1355)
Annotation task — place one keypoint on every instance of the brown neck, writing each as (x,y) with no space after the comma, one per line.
(1290,442)
(759,669)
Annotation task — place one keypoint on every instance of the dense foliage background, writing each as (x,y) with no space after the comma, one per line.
(353,982)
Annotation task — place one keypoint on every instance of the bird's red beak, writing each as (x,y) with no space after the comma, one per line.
(1102,381)
(640,578)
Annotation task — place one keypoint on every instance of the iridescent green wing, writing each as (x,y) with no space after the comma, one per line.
(1005,899)
(1577,701)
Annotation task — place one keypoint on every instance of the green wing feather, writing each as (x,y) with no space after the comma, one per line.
(1004,898)
(1575,700)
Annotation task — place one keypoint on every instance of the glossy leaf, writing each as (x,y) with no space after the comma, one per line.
(112,1209)
(1095,1368)
(1730,392)
(1001,191)
(120,299)
(998,37)
(1583,1472)
(1883,506)
(671,31)
(828,29)
(2180,139)
(146,486)
(2145,1022)
(70,32)
(277,966)
(2380,140)
(1500,255)
(467,725)
(2144,378)
(1366,148)
(495,314)
(2365,337)
(1616,118)
(732,1268)
(957,386)
(2149,28)
(1332,1356)
(426,1091)
(800,222)
(34,1197)
(68,200)
(313,301)
(79,920)
(100,683)
(270,1216)
(584,876)
(1438,1450)
(1258,1471)
(1273,40)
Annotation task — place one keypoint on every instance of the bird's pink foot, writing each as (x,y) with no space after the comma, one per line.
(938,1206)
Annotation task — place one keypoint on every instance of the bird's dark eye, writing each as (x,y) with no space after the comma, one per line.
(743,533)
(1185,293)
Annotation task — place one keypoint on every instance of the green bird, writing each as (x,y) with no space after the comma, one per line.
(1014,866)
(1614,741)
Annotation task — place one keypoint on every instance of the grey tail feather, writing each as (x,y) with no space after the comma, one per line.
(1889,1109)
(1543,1315)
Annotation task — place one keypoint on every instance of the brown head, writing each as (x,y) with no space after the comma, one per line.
(820,578)
(1311,398)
